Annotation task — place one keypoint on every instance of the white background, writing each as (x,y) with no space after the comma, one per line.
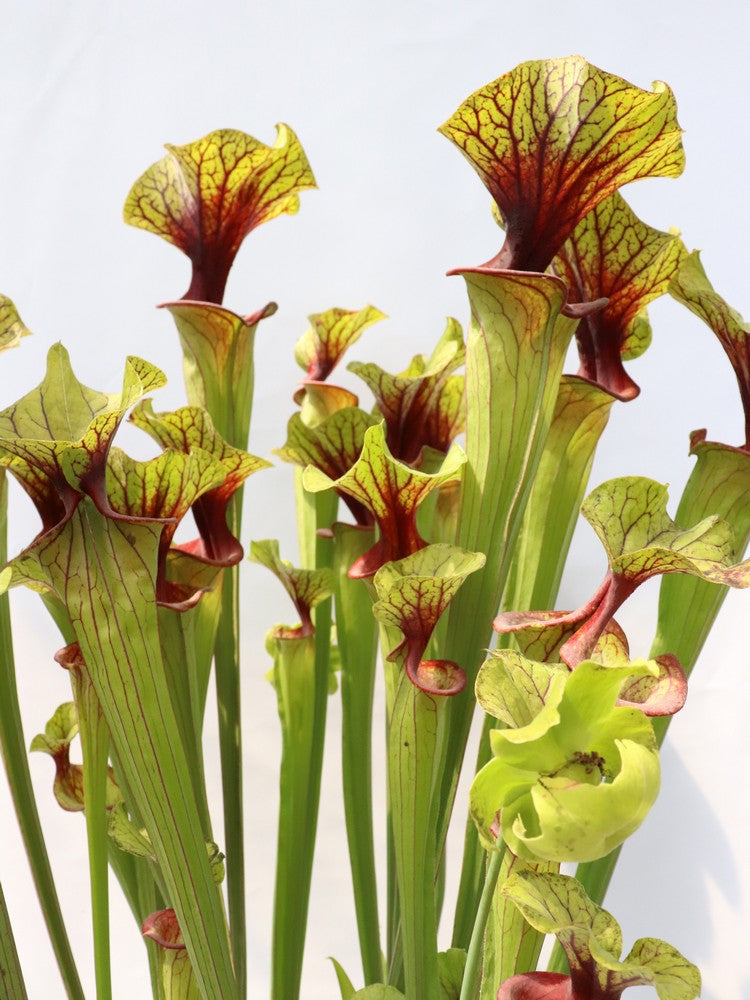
(89,91)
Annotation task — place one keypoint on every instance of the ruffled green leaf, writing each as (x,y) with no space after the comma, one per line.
(391,491)
(691,287)
(552,139)
(413,593)
(59,732)
(641,541)
(630,517)
(591,937)
(331,445)
(191,427)
(191,430)
(61,408)
(306,587)
(329,336)
(514,689)
(451,965)
(12,327)
(62,416)
(422,406)
(68,787)
(612,254)
(128,836)
(575,781)
(206,196)
(163,488)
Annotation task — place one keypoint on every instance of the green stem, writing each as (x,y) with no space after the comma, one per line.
(218,365)
(516,347)
(179,664)
(580,416)
(226,659)
(95,750)
(11,976)
(358,642)
(473,969)
(394,941)
(302,685)
(474,857)
(294,680)
(415,751)
(389,638)
(15,759)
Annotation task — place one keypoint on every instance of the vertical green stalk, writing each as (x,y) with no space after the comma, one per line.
(389,638)
(228,698)
(15,759)
(217,347)
(95,751)
(414,756)
(11,976)
(517,341)
(473,969)
(322,513)
(473,861)
(199,626)
(178,652)
(580,416)
(301,679)
(357,637)
(294,680)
